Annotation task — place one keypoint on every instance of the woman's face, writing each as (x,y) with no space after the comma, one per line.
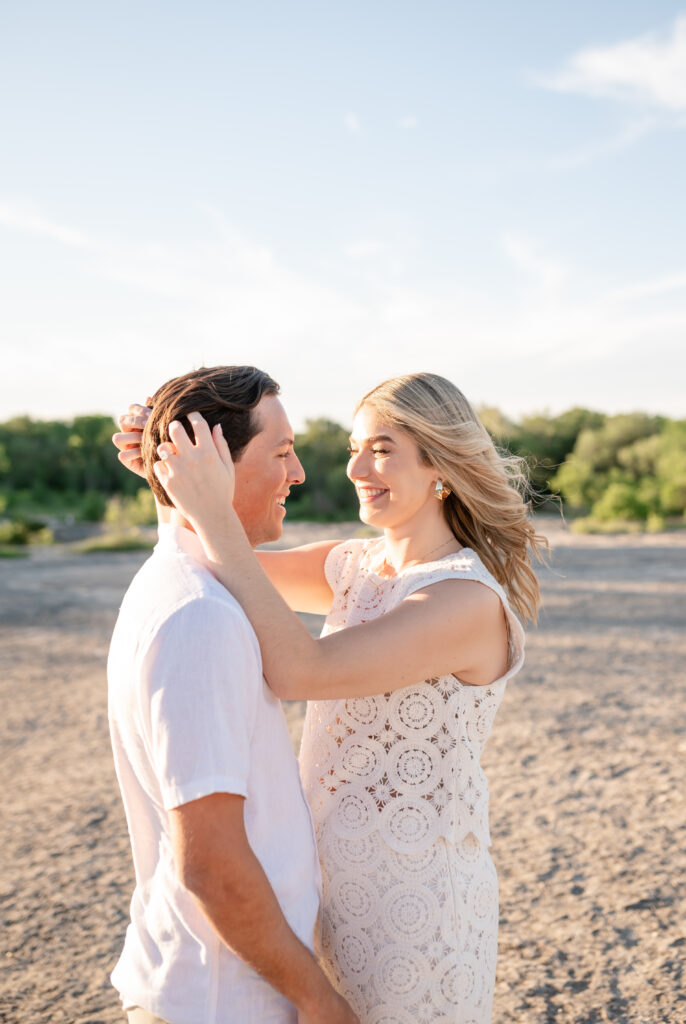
(394,487)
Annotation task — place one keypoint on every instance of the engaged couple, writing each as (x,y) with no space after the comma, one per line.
(361,888)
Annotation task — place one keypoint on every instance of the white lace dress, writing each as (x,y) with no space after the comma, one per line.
(400,805)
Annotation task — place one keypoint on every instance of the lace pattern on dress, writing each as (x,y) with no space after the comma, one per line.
(407,762)
(400,803)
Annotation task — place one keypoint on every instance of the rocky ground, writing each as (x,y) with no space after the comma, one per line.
(586,766)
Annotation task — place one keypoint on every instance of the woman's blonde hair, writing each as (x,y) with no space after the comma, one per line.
(488,507)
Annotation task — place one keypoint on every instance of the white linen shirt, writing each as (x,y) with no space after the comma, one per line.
(190,715)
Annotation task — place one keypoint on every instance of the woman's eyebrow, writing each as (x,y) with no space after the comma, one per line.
(373,440)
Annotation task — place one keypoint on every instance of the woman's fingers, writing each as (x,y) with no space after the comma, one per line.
(201,432)
(132,460)
(135,417)
(161,471)
(198,477)
(140,410)
(221,444)
(203,436)
(131,422)
(165,449)
(179,437)
(126,441)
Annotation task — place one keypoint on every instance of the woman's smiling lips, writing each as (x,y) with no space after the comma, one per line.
(369,494)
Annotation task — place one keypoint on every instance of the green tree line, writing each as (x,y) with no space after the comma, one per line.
(628,468)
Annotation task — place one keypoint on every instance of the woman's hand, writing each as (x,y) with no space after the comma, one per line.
(128,441)
(198,476)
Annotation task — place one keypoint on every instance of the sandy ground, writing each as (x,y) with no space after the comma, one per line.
(585,764)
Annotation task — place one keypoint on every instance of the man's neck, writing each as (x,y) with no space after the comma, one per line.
(174,517)
(171,516)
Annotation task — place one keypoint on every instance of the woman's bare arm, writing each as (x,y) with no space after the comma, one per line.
(298,575)
(456,626)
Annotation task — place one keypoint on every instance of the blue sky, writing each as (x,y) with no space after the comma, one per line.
(342,192)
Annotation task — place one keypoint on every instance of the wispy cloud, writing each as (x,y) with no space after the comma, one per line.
(230,298)
(649,70)
(26,218)
(408,122)
(352,123)
(623,139)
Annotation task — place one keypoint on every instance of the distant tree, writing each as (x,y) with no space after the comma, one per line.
(587,471)
(633,467)
(327,493)
(544,441)
(44,461)
(630,466)
(671,468)
(501,429)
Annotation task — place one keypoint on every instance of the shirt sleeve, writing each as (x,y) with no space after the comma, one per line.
(201,677)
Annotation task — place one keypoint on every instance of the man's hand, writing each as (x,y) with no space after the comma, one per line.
(128,441)
(336,1011)
(216,863)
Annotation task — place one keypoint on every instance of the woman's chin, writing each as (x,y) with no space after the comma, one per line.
(371,516)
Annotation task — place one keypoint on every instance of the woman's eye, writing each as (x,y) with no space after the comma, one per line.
(374,451)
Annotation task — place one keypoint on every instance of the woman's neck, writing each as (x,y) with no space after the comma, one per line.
(406,546)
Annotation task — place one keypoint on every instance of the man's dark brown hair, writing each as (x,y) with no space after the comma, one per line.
(223,394)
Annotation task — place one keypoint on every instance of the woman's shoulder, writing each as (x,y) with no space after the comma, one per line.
(467,565)
(464,564)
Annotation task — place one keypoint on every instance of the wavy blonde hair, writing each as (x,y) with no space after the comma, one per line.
(488,507)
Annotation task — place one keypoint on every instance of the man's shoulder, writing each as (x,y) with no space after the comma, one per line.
(176,591)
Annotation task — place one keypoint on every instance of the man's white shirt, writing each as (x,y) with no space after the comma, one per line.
(190,715)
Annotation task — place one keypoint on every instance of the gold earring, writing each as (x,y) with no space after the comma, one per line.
(440,491)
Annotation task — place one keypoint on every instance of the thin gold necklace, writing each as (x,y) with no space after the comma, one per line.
(389,570)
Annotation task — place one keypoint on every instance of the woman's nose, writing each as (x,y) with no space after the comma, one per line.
(357,466)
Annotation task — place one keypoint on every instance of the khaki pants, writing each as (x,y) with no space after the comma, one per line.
(138,1016)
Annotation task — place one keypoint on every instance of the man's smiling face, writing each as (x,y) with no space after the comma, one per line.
(265,473)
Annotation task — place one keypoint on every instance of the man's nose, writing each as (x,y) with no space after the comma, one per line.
(296,473)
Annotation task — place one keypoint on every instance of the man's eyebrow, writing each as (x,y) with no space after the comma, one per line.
(286,440)
(374,439)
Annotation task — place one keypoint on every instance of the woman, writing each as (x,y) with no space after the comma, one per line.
(391,765)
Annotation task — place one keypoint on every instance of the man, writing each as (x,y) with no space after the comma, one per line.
(227,877)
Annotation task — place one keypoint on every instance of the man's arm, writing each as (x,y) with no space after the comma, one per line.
(216,863)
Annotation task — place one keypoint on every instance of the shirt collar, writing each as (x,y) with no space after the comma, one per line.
(183,539)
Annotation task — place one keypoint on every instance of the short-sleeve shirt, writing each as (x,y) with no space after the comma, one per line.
(190,715)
